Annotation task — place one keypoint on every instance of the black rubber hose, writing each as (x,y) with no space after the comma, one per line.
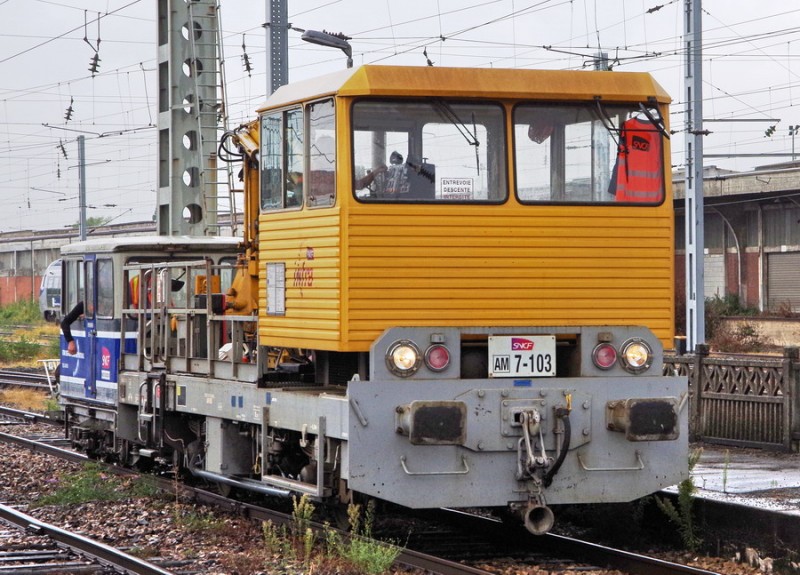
(563,415)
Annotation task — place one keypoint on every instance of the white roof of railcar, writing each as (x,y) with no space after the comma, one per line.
(165,244)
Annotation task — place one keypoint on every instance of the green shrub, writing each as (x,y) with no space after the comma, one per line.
(741,338)
(21,350)
(21,312)
(718,307)
(683,515)
(365,553)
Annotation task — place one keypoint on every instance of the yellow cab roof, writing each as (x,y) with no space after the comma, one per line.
(419,81)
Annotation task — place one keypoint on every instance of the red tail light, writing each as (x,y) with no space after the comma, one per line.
(604,356)
(437,357)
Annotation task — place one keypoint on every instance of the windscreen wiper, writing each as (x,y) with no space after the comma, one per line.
(446,110)
(606,120)
(658,123)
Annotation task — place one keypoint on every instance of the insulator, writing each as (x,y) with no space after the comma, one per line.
(94,63)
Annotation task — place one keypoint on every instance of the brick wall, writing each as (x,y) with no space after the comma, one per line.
(14,289)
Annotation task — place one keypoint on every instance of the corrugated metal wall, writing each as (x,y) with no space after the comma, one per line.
(783,280)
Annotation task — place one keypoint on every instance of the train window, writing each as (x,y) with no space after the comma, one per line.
(433,151)
(588,154)
(227,272)
(282,160)
(105,288)
(88,302)
(322,154)
(73,284)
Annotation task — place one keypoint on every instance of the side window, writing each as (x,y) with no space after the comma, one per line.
(282,164)
(293,191)
(73,284)
(88,302)
(227,272)
(322,154)
(105,288)
(271,162)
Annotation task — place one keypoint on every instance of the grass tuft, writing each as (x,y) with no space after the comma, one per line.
(91,483)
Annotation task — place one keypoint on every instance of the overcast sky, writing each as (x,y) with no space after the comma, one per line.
(751,72)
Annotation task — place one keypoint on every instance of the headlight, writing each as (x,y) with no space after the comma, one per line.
(403,358)
(636,355)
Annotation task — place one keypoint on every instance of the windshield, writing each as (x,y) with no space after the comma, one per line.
(433,151)
(588,154)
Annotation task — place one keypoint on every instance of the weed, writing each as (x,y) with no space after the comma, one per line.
(717,308)
(51,404)
(146,487)
(198,521)
(308,545)
(20,312)
(302,511)
(91,483)
(357,554)
(277,540)
(20,350)
(683,516)
(784,309)
(25,399)
(367,554)
(740,337)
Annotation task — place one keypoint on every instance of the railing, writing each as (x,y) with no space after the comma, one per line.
(746,401)
(180,323)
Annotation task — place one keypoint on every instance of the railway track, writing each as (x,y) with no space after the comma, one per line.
(28,380)
(33,546)
(479,534)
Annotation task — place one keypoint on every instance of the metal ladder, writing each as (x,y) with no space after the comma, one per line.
(211,112)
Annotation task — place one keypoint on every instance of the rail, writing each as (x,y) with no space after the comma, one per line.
(113,558)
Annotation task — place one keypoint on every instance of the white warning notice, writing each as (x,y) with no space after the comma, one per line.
(457,188)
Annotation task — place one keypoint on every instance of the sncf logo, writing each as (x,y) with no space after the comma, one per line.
(105,358)
(639,143)
(521,344)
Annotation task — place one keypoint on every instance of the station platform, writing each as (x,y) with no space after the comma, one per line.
(764,479)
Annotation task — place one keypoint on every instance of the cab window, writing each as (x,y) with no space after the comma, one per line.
(432,151)
(588,154)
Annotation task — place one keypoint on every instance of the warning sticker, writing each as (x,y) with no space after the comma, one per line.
(456,188)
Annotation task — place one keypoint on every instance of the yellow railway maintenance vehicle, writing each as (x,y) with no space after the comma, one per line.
(453,290)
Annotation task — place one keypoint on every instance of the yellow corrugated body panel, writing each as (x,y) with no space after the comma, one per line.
(469,266)
(509,265)
(308,243)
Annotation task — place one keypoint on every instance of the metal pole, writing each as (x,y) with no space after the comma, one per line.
(694,224)
(277,44)
(82,188)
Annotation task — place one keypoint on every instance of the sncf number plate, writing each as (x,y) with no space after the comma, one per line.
(522,356)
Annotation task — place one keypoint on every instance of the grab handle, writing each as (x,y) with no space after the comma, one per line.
(458,472)
(638,468)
